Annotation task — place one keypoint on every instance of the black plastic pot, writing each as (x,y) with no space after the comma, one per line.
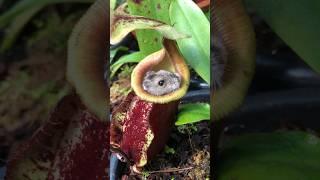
(265,112)
(283,72)
(284,90)
(116,167)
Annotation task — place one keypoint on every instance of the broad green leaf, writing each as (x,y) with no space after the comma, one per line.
(130,58)
(188,18)
(191,113)
(123,24)
(297,22)
(265,156)
(150,41)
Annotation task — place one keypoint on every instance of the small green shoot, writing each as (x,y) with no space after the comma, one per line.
(169,150)
(145,175)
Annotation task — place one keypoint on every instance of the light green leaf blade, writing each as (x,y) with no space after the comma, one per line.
(113,52)
(297,22)
(188,18)
(191,113)
(130,58)
(265,156)
(113,4)
(150,41)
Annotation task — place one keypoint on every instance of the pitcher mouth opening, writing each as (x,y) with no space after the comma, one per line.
(163,76)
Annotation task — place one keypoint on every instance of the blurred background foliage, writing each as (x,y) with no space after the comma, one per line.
(53,16)
(296,22)
(33,46)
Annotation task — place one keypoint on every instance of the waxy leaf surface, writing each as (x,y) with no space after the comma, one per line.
(188,18)
(191,113)
(265,156)
(297,22)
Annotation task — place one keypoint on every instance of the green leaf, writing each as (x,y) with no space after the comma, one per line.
(114,52)
(208,14)
(150,41)
(188,18)
(169,150)
(297,22)
(123,24)
(191,113)
(130,58)
(265,156)
(113,4)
